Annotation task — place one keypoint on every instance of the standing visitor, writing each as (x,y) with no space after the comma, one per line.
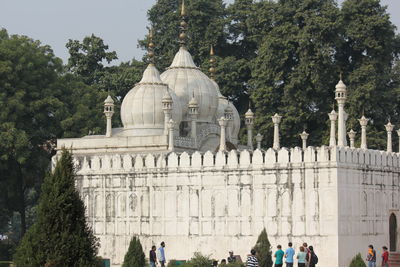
(385,257)
(251,259)
(279,256)
(371,256)
(307,251)
(301,257)
(153,257)
(231,257)
(289,253)
(161,254)
(312,258)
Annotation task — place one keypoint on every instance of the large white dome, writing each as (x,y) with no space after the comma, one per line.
(141,109)
(186,80)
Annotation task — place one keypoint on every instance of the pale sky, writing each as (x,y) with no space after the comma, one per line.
(120,23)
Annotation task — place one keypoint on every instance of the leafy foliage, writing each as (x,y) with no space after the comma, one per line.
(29,120)
(357,261)
(86,58)
(263,249)
(60,235)
(134,257)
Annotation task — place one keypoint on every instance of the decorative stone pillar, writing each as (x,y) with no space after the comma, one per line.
(352,136)
(276,119)
(389,129)
(341,96)
(398,133)
(171,125)
(332,137)
(249,121)
(193,112)
(167,108)
(304,137)
(222,123)
(109,112)
(259,138)
(228,113)
(363,122)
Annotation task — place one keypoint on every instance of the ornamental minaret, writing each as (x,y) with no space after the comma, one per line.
(259,138)
(333,118)
(171,125)
(276,119)
(109,112)
(193,112)
(249,121)
(341,96)
(352,136)
(222,123)
(389,129)
(167,109)
(363,122)
(304,137)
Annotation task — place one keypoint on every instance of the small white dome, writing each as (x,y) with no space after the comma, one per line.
(186,80)
(142,108)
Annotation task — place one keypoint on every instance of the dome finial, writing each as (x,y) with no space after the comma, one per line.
(150,48)
(183,25)
(212,69)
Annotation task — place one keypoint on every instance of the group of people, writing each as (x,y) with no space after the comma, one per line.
(371,256)
(157,255)
(305,257)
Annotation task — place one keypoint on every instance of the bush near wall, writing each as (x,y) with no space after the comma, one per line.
(357,261)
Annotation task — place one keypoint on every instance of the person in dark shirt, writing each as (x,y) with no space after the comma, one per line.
(231,257)
(153,257)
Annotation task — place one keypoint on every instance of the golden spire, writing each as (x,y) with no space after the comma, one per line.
(212,63)
(183,26)
(150,48)
(183,11)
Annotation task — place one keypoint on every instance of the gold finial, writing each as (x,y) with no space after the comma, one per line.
(183,11)
(183,25)
(212,69)
(150,48)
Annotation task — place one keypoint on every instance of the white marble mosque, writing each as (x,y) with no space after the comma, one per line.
(175,172)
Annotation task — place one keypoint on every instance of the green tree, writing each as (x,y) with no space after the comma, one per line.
(134,257)
(60,235)
(357,261)
(86,58)
(28,120)
(263,249)
(294,73)
(366,56)
(205,27)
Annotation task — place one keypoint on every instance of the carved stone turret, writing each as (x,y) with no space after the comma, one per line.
(109,112)
(389,129)
(332,137)
(352,136)
(363,122)
(193,112)
(249,120)
(259,138)
(222,123)
(167,108)
(276,119)
(341,96)
(304,137)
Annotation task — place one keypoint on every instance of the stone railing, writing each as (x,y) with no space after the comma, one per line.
(238,159)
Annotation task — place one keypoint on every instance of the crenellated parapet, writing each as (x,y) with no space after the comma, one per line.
(258,159)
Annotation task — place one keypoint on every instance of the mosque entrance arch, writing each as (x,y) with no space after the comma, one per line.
(393,232)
